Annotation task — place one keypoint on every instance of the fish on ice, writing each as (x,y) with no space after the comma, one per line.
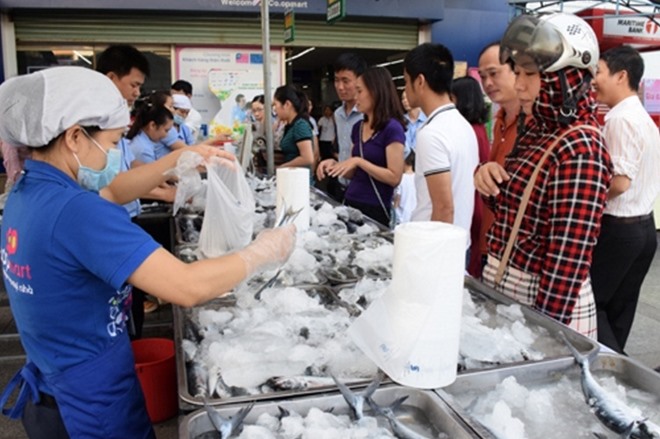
(227,427)
(610,411)
(355,401)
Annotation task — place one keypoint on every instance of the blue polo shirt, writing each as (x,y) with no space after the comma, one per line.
(143,148)
(164,147)
(66,256)
(184,133)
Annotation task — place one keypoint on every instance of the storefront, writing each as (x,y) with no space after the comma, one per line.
(37,35)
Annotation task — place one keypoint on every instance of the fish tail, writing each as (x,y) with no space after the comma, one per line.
(579,358)
(345,391)
(371,388)
(237,420)
(283,412)
(216,419)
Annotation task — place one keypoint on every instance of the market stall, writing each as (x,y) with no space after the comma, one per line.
(279,354)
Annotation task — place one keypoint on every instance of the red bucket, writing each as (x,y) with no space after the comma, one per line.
(156,369)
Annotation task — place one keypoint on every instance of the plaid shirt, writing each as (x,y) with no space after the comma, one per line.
(562,220)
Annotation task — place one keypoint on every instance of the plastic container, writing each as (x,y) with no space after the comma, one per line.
(155,366)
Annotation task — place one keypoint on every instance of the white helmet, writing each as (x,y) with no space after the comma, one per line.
(548,43)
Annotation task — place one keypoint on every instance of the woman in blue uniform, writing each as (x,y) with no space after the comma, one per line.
(182,106)
(151,125)
(69,258)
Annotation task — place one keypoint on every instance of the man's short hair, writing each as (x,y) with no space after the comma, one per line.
(435,62)
(351,62)
(625,58)
(488,46)
(120,59)
(183,86)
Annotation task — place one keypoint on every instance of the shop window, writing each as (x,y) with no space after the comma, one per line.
(34,58)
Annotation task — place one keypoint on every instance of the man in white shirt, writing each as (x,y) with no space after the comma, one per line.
(627,240)
(446,147)
(194,119)
(347,68)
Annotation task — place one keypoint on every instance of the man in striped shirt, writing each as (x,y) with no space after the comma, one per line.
(627,240)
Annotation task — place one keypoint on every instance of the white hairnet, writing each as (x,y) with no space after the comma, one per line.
(38,107)
(181,101)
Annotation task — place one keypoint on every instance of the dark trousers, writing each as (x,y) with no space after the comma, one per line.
(160,228)
(332,187)
(621,259)
(43,421)
(326,149)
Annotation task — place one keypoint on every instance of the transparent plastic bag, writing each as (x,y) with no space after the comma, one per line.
(190,188)
(228,218)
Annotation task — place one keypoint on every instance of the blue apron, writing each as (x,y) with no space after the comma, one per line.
(99,398)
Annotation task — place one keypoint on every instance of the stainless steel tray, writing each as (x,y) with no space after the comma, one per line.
(188,401)
(422,410)
(626,371)
(554,348)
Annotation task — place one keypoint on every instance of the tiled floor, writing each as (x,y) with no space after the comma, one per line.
(643,345)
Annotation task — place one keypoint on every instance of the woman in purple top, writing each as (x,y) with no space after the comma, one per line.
(376,162)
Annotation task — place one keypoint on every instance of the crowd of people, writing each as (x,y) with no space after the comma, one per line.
(558,208)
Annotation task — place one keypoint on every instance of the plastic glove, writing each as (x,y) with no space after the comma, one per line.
(271,248)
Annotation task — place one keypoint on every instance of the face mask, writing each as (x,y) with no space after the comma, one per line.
(94,180)
(179,120)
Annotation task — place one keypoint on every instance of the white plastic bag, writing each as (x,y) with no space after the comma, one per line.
(228,219)
(190,189)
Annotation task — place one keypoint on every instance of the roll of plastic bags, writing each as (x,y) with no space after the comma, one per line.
(412,331)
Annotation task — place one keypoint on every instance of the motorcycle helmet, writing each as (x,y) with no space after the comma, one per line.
(548,43)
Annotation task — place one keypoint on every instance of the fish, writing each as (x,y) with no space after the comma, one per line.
(356,402)
(398,428)
(299,382)
(610,411)
(217,385)
(191,331)
(227,427)
(197,379)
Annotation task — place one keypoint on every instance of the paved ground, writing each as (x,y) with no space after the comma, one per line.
(643,345)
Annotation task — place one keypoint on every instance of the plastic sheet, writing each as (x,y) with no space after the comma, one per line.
(228,221)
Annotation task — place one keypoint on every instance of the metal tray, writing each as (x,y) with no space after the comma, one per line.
(188,401)
(584,344)
(624,369)
(422,410)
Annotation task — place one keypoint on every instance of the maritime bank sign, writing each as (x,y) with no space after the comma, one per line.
(636,27)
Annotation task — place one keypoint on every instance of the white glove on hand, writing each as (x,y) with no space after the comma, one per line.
(270,249)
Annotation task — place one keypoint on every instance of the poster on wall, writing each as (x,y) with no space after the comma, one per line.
(651,95)
(224,80)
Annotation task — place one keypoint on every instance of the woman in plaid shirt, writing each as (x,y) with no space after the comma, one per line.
(555,58)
